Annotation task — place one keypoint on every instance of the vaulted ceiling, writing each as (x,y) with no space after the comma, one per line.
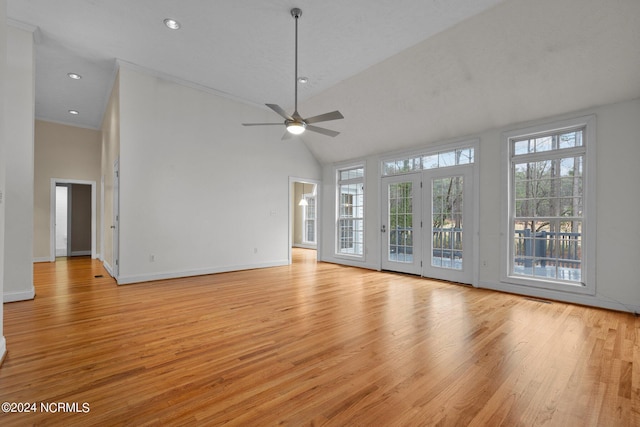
(401,71)
(241,48)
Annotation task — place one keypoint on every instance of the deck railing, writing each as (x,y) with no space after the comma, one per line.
(562,249)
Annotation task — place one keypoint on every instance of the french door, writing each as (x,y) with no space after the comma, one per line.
(401,235)
(427,226)
(448,209)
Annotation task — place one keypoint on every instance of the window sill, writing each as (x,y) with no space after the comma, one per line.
(549,284)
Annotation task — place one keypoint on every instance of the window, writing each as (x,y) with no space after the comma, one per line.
(350,215)
(442,159)
(309,219)
(548,228)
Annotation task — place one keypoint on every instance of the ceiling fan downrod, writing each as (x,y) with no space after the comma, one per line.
(296,13)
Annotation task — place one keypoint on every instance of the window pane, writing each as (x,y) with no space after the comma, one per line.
(570,139)
(464,156)
(546,143)
(430,162)
(521,147)
(389,168)
(447,159)
(447,199)
(348,174)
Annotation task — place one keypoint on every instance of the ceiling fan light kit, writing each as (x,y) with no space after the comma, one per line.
(296,128)
(294,123)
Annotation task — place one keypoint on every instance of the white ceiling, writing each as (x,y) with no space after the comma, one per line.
(403,72)
(240,48)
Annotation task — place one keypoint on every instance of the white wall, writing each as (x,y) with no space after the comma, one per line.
(18,268)
(198,191)
(618,204)
(3,79)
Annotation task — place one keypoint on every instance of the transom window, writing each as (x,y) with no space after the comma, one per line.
(547,210)
(350,215)
(460,156)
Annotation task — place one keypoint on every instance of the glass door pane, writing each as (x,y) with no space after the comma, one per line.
(401,227)
(447,225)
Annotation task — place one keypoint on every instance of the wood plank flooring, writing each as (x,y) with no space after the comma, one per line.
(311,344)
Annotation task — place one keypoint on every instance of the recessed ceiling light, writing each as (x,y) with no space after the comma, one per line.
(74,112)
(74,76)
(172,24)
(303,80)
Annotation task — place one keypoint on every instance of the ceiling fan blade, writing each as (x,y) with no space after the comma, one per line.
(323,131)
(334,115)
(287,135)
(280,111)
(261,124)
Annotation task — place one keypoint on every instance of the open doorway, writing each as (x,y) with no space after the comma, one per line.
(73,218)
(304,221)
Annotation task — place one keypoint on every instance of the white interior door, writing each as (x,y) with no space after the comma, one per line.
(448,208)
(62,220)
(401,224)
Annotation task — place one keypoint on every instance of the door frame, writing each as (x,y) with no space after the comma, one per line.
(115,227)
(52,214)
(292,181)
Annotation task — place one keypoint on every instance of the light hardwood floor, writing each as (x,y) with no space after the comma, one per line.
(312,344)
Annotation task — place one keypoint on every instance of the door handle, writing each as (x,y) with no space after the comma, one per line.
(384,228)
(113,226)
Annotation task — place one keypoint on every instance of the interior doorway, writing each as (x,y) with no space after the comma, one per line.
(73,218)
(304,214)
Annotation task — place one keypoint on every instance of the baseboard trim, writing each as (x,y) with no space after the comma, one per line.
(349,263)
(138,278)
(305,246)
(19,296)
(597,300)
(41,259)
(81,253)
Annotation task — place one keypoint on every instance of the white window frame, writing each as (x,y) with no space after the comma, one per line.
(305,219)
(339,183)
(589,206)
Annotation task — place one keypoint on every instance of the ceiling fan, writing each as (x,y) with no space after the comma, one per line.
(294,123)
